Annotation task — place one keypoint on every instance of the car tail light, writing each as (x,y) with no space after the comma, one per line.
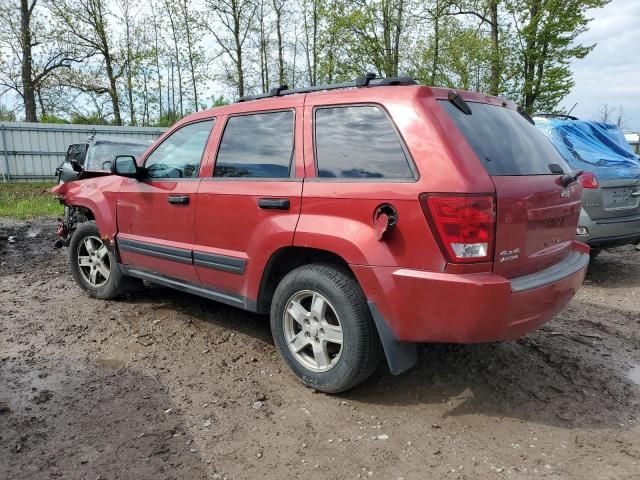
(465,225)
(588,180)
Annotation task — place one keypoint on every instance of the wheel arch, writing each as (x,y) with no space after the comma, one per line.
(284,260)
(400,356)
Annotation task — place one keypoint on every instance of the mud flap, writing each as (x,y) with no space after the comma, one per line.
(401,356)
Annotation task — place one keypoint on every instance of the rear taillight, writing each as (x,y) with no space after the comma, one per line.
(465,225)
(588,180)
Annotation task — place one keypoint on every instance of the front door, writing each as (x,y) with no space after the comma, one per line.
(250,206)
(155,214)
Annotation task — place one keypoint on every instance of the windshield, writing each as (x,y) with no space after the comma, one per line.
(101,155)
(505,142)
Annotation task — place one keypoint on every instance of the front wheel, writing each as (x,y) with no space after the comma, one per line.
(94,266)
(323,329)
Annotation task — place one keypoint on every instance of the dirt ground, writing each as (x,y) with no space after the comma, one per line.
(162,385)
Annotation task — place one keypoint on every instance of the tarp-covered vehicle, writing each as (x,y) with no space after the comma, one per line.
(611,185)
(96,155)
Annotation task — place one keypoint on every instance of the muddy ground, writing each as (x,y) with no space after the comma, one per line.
(166,385)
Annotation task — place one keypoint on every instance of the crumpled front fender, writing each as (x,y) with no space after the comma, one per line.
(98,195)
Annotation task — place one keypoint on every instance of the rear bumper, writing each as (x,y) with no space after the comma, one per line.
(421,306)
(611,232)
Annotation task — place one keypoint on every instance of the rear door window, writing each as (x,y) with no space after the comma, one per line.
(504,141)
(358,141)
(258,145)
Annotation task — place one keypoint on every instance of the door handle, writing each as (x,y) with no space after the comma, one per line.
(636,193)
(178,199)
(274,203)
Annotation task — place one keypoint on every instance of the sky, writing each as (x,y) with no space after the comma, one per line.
(610,74)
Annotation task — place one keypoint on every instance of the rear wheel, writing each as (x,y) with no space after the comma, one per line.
(94,265)
(323,329)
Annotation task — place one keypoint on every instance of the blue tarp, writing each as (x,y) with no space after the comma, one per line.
(595,147)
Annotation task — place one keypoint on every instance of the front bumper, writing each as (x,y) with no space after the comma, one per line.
(421,306)
(609,232)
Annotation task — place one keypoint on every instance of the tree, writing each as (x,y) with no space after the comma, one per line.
(487,11)
(263,45)
(176,61)
(609,114)
(132,53)
(235,18)
(6,115)
(279,9)
(35,53)
(378,27)
(156,53)
(311,19)
(193,55)
(87,22)
(546,32)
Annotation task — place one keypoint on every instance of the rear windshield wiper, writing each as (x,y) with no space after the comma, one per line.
(568,178)
(458,101)
(526,115)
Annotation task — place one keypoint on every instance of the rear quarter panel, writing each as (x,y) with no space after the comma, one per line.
(337,215)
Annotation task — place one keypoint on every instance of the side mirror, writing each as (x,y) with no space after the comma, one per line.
(125,166)
(76,155)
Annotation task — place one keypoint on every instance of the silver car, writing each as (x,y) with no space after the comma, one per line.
(610,214)
(96,155)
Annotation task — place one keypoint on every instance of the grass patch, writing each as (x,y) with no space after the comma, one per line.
(23,200)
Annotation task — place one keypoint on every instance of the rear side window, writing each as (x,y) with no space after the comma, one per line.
(259,145)
(504,141)
(358,142)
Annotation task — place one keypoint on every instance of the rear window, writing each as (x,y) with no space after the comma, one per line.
(358,142)
(505,142)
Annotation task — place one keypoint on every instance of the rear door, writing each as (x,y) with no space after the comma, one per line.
(249,207)
(155,215)
(536,216)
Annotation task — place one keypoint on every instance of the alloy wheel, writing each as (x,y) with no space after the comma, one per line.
(313,331)
(93,261)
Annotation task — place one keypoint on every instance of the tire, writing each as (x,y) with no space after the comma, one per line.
(594,252)
(321,362)
(86,264)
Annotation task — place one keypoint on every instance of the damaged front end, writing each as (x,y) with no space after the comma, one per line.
(72,216)
(67,224)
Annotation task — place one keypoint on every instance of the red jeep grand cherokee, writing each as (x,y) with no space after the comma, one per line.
(364,217)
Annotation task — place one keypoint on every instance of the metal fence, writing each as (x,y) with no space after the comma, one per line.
(32,151)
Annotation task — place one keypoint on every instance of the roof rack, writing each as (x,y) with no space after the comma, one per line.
(369,80)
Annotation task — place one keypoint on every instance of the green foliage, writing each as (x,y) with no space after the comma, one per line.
(27,200)
(463,58)
(7,115)
(546,34)
(52,119)
(220,101)
(91,118)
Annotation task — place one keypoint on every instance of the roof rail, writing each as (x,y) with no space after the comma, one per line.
(368,80)
(561,116)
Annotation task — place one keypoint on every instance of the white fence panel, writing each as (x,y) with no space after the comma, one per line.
(32,151)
